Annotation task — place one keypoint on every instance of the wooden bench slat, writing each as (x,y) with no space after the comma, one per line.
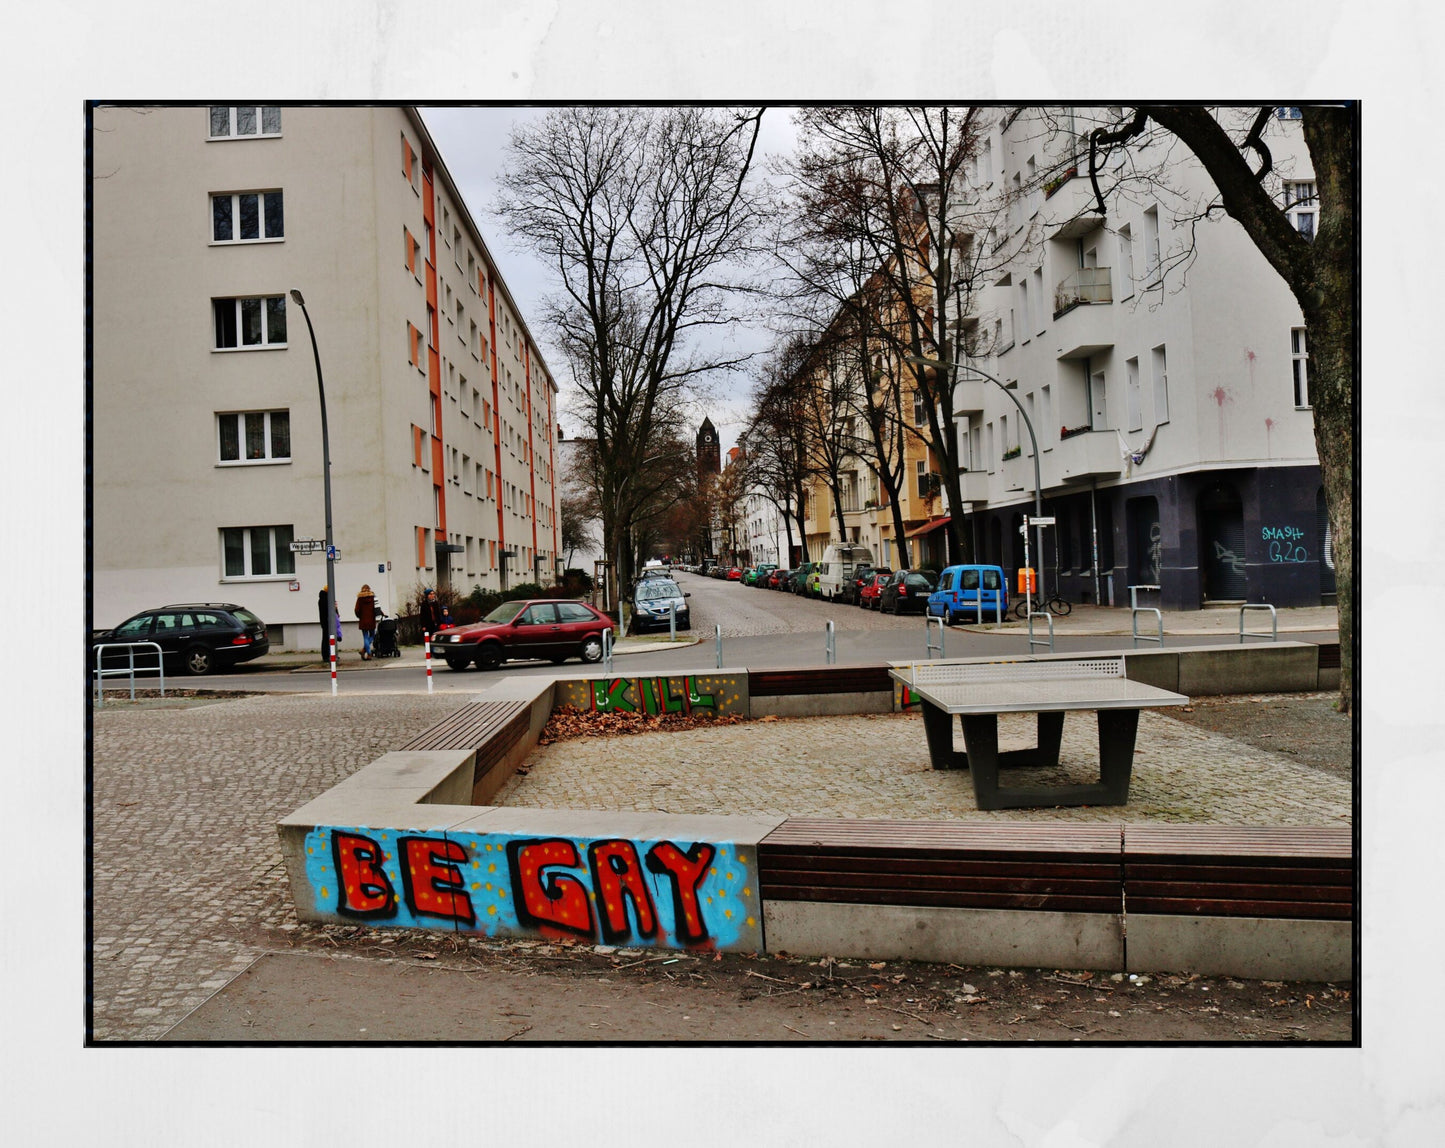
(772,862)
(936,835)
(1243,869)
(470,727)
(963,899)
(1325,842)
(819,680)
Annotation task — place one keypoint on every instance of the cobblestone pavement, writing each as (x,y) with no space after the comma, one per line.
(876,765)
(187,877)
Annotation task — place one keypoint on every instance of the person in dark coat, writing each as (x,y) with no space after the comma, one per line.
(366,619)
(321,620)
(431,612)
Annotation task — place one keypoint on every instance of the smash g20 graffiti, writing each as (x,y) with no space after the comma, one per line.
(609,890)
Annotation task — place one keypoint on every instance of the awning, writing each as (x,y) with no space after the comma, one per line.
(929,527)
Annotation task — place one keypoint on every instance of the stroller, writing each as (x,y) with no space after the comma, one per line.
(384,644)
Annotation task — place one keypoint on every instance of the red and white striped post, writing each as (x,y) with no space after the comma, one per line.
(426,639)
(333,665)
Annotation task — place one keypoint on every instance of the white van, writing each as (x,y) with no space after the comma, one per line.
(839,562)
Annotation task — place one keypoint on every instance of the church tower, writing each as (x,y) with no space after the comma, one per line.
(709,451)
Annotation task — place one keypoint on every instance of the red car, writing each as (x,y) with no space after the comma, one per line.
(554,629)
(868,595)
(735,575)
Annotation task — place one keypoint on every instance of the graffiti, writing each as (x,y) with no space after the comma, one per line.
(1226,557)
(1156,552)
(1284,543)
(614,891)
(650,695)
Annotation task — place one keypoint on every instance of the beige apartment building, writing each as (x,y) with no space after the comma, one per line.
(206,443)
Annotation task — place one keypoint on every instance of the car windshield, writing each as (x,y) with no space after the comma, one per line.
(657,588)
(246,618)
(505,612)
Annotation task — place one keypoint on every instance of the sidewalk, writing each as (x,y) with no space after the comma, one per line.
(1115,620)
(307,661)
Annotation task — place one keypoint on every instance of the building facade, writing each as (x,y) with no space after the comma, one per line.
(206,425)
(1163,368)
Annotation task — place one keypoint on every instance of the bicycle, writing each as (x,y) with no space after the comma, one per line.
(1056,605)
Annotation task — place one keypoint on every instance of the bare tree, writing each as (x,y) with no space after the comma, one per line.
(645,215)
(777,455)
(1233,147)
(890,182)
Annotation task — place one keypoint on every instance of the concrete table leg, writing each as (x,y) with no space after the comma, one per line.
(1117,732)
(938,728)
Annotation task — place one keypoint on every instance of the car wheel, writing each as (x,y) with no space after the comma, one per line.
(199,660)
(489,657)
(456,663)
(591,649)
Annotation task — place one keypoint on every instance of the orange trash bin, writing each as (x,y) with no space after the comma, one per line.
(1026,583)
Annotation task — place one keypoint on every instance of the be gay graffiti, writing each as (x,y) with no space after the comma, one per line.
(608,890)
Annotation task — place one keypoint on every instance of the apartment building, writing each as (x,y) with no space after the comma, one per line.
(1162,365)
(206,424)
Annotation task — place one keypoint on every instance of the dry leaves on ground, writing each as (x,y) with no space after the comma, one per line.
(570,722)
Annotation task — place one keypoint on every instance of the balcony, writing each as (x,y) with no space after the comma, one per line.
(973,485)
(1082,327)
(1018,472)
(969,392)
(1069,208)
(1080,457)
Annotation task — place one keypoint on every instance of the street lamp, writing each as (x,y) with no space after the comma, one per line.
(938,364)
(325,477)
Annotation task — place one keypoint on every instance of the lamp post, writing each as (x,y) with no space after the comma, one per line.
(325,477)
(938,364)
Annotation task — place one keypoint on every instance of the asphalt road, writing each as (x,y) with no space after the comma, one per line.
(761,629)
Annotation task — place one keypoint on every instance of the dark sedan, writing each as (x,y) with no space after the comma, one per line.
(552,629)
(907,591)
(199,636)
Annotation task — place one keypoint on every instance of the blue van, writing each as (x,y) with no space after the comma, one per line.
(960,589)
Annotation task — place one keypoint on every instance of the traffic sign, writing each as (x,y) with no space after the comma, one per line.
(1049,521)
(333,554)
(308,546)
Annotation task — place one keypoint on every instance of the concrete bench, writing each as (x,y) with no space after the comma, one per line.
(979,692)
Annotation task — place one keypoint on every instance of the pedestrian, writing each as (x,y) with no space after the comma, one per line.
(321,622)
(431,613)
(366,619)
(446,622)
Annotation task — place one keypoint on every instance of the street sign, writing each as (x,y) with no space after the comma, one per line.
(1041,521)
(308,546)
(333,554)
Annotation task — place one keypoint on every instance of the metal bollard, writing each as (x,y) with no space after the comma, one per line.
(333,666)
(426,642)
(717,634)
(607,649)
(672,621)
(830,644)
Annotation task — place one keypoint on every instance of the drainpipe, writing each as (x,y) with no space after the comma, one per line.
(1094,530)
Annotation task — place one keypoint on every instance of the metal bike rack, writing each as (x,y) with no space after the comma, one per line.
(129,670)
(1135,610)
(1273,622)
(929,647)
(830,643)
(717,636)
(1044,613)
(607,649)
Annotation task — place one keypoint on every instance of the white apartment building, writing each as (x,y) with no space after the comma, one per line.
(1171,406)
(206,441)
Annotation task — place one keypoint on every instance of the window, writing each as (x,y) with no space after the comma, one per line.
(920,415)
(1126,263)
(1151,244)
(1302,206)
(409,163)
(922,467)
(1027,326)
(413,338)
(251,322)
(244,216)
(1287,113)
(1133,395)
(1039,302)
(254,436)
(1099,413)
(476,343)
(1161,386)
(247,120)
(412,250)
(1299,365)
(257,552)
(418,451)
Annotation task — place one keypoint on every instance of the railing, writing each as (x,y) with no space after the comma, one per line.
(1084,285)
(1135,610)
(929,647)
(607,649)
(1273,622)
(128,669)
(1040,641)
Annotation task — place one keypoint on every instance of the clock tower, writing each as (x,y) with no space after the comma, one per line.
(709,452)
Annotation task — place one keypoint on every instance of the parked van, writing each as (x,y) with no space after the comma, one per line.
(960,589)
(837,566)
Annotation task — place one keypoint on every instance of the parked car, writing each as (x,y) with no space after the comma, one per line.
(840,560)
(652,601)
(760,574)
(868,593)
(552,628)
(801,576)
(198,636)
(862,575)
(957,596)
(734,574)
(779,578)
(815,589)
(907,591)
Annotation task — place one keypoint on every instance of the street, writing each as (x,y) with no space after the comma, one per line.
(765,629)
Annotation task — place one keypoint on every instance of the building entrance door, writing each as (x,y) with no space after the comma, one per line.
(1221,531)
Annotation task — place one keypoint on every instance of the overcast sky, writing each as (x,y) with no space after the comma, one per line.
(473,142)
